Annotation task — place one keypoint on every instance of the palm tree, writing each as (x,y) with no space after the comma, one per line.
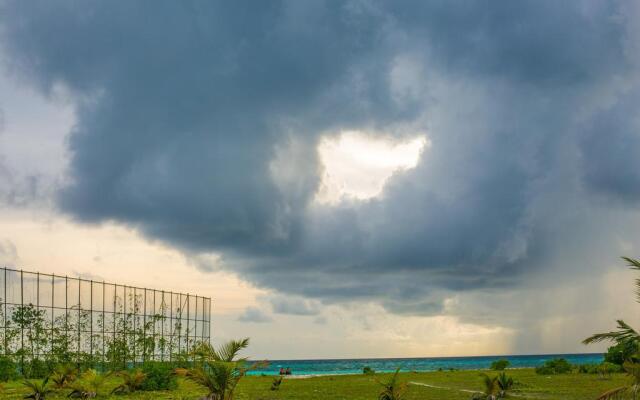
(88,385)
(131,381)
(220,369)
(392,389)
(491,389)
(505,383)
(625,335)
(39,390)
(63,375)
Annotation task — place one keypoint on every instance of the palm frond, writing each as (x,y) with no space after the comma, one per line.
(624,334)
(634,264)
(229,351)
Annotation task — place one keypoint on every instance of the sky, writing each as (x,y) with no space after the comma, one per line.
(342,178)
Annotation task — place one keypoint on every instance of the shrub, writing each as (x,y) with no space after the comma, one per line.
(500,365)
(367,370)
(39,390)
(88,385)
(8,369)
(160,376)
(621,352)
(131,381)
(63,375)
(587,368)
(36,368)
(603,369)
(554,367)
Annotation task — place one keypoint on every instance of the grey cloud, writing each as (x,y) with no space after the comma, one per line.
(254,314)
(20,191)
(610,145)
(184,114)
(283,304)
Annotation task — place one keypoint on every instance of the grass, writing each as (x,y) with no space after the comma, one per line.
(528,385)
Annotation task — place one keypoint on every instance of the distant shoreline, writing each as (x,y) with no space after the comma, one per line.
(436,357)
(333,367)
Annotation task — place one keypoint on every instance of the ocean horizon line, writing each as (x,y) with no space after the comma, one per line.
(428,357)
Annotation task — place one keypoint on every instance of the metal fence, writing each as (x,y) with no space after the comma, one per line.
(65,319)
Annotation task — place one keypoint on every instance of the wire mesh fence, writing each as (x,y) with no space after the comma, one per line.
(58,319)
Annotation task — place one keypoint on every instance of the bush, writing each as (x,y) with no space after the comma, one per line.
(604,368)
(36,369)
(367,370)
(621,352)
(554,367)
(500,365)
(8,369)
(588,368)
(160,376)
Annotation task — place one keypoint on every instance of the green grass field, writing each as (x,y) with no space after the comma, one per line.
(450,386)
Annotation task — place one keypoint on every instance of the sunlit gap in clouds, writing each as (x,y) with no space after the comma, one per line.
(357,164)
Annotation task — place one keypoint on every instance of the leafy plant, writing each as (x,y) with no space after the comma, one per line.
(220,369)
(8,369)
(88,385)
(554,367)
(275,384)
(367,370)
(500,365)
(131,381)
(63,375)
(620,352)
(491,389)
(505,383)
(39,389)
(392,389)
(160,376)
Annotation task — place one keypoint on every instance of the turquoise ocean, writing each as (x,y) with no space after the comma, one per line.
(354,366)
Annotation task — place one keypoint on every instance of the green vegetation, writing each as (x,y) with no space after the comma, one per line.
(38,390)
(131,381)
(159,376)
(220,370)
(8,369)
(88,385)
(554,367)
(205,372)
(627,343)
(500,365)
(495,387)
(619,353)
(34,343)
(392,389)
(443,385)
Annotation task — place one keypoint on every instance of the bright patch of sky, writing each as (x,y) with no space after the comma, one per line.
(357,165)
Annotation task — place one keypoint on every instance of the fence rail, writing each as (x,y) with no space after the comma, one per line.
(65,319)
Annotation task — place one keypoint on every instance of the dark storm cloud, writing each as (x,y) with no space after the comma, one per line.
(610,150)
(192,117)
